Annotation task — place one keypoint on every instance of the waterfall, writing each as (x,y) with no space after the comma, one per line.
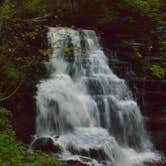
(84,106)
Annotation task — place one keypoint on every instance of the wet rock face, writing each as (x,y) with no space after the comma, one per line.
(95,153)
(155,163)
(75,163)
(151,98)
(47,145)
(150,94)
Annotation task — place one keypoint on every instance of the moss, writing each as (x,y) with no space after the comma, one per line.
(11,72)
(158,71)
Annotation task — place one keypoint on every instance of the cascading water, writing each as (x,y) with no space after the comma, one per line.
(85,107)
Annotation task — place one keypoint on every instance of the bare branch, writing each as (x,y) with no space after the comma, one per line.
(13,92)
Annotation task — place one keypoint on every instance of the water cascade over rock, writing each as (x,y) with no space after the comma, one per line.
(85,108)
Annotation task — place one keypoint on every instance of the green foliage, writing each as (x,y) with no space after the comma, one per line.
(8,10)
(4,119)
(13,153)
(11,72)
(141,6)
(28,8)
(20,41)
(137,5)
(36,7)
(158,71)
(4,114)
(12,76)
(20,31)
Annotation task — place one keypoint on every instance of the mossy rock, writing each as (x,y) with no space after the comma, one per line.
(68,53)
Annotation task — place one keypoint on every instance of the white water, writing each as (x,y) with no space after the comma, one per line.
(87,105)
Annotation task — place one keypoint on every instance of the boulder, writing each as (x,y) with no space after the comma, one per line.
(94,153)
(75,163)
(155,163)
(47,145)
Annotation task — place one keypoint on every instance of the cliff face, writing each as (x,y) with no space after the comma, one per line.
(130,41)
(150,95)
(149,92)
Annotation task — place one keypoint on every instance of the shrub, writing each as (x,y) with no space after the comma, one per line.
(13,153)
(158,71)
